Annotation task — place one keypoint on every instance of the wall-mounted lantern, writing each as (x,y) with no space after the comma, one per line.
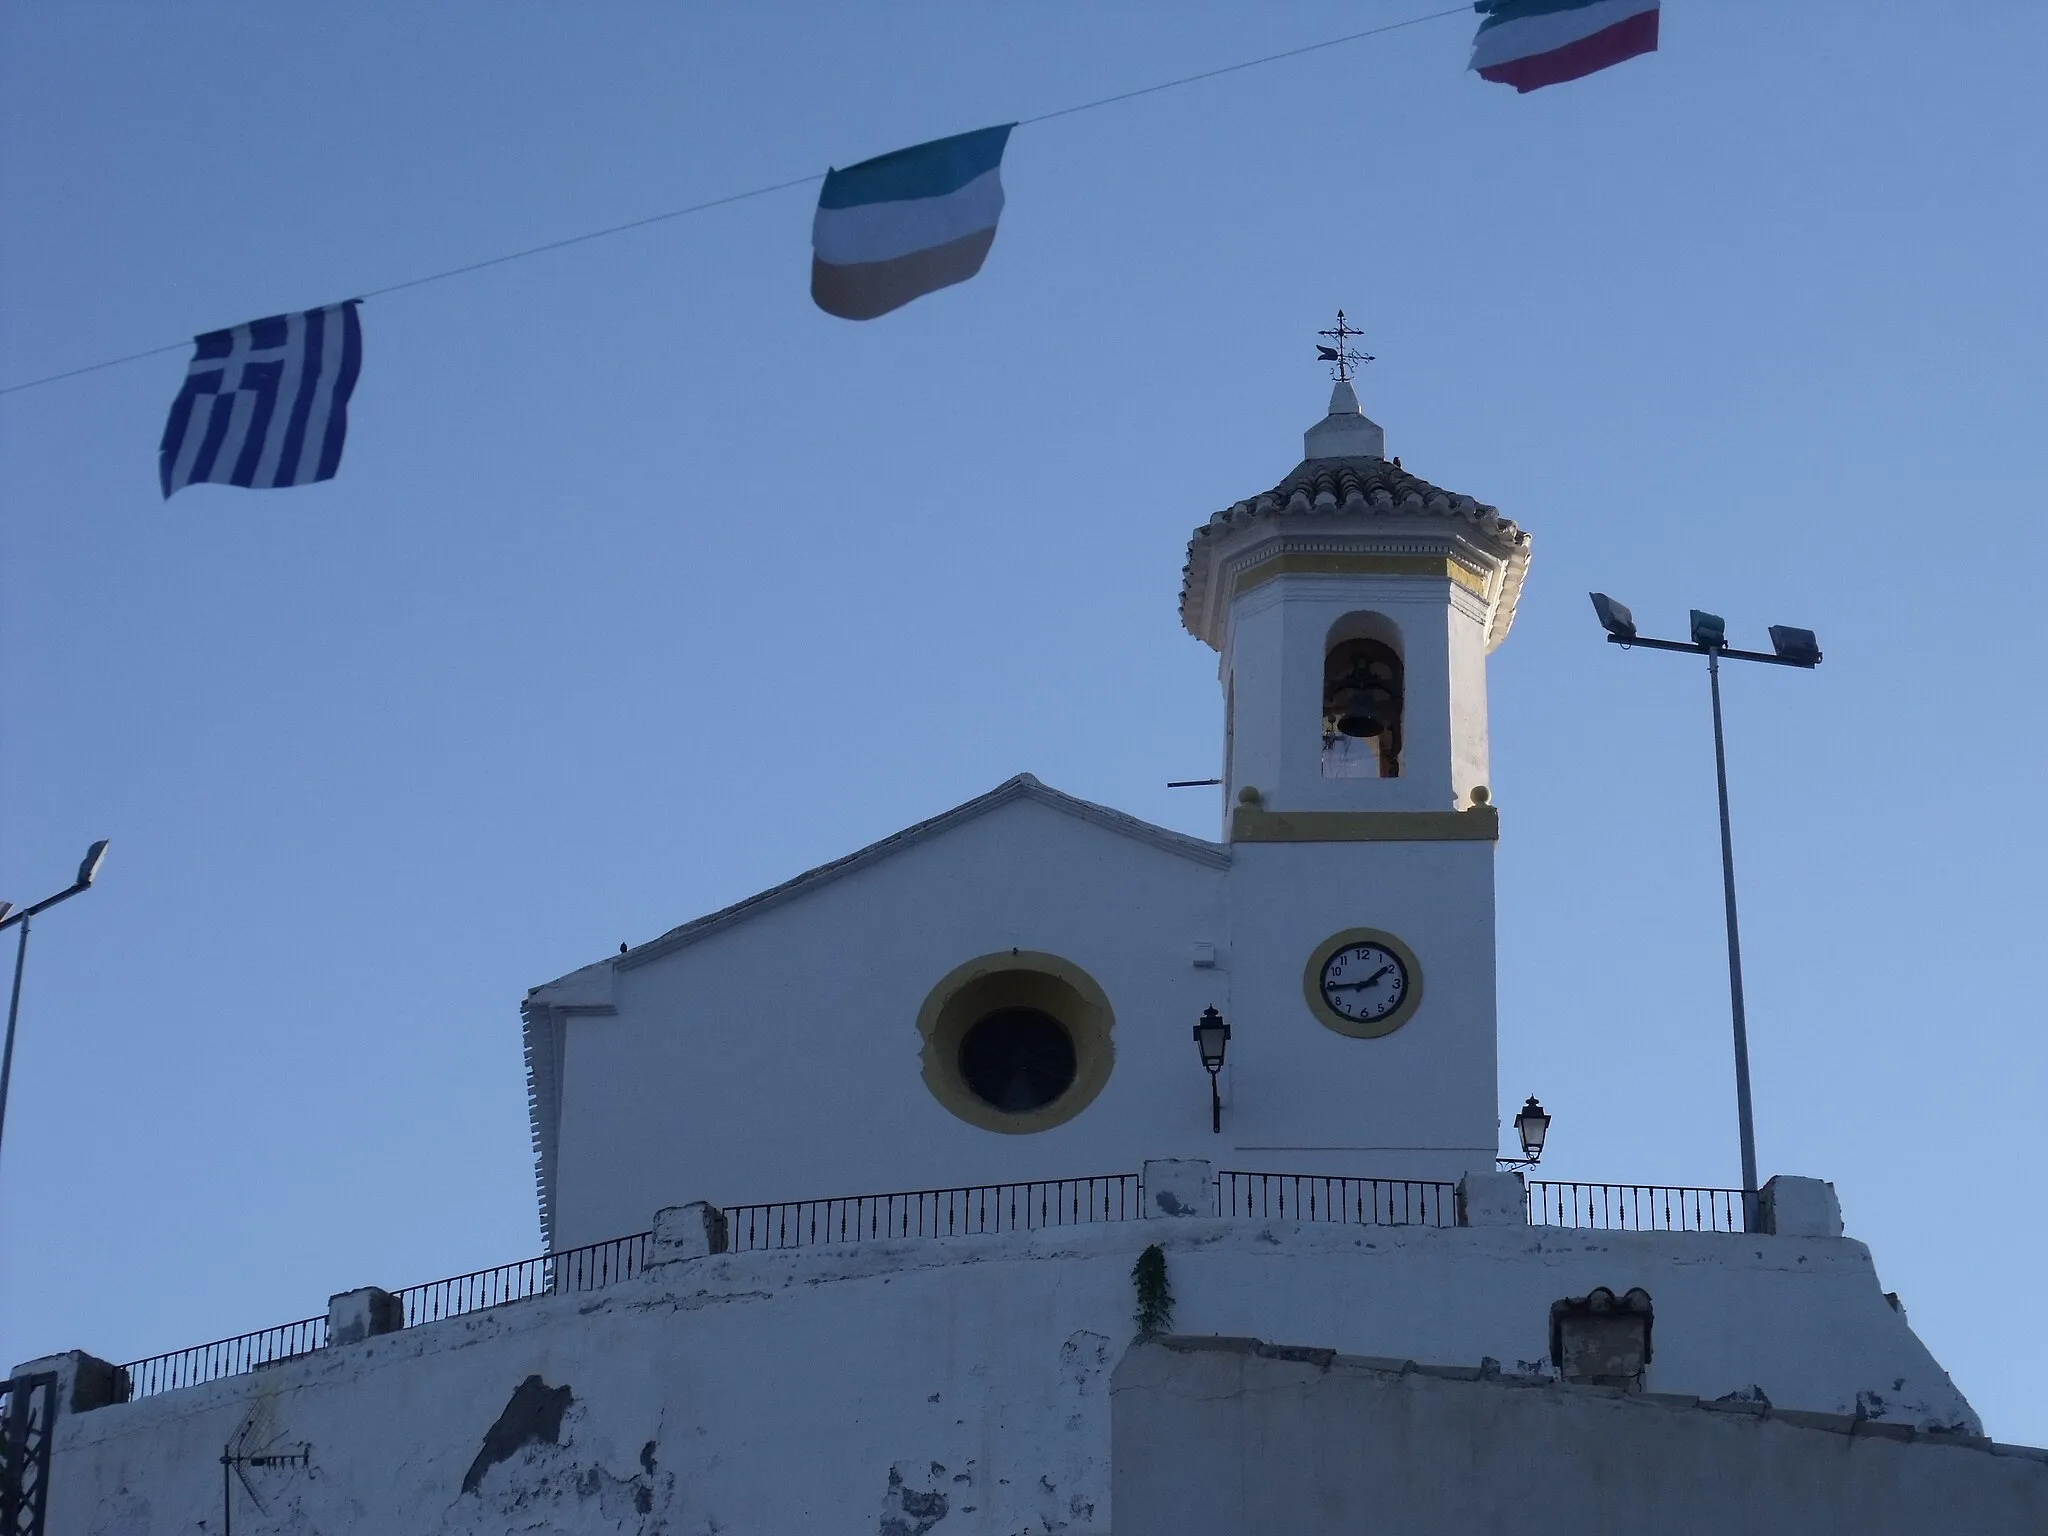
(1531,1125)
(1212,1038)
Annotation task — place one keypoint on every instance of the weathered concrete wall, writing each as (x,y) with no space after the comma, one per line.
(956,1386)
(1216,1437)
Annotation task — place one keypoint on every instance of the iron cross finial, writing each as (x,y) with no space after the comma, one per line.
(1342,354)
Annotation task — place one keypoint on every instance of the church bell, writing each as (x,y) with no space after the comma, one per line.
(1365,702)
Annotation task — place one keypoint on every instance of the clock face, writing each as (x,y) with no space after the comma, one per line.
(1364,982)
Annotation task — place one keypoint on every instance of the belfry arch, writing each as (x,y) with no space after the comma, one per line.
(1364,694)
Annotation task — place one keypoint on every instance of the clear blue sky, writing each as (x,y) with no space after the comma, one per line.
(645,585)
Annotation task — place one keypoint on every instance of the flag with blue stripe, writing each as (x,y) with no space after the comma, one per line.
(265,404)
(906,224)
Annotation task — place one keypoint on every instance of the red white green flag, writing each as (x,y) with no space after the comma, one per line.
(1533,43)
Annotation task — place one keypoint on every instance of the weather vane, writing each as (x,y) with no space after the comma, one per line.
(1344,355)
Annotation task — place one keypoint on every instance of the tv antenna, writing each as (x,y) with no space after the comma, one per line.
(1343,355)
(235,1459)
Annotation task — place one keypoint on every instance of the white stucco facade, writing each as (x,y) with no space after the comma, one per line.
(812,1006)
(811,1389)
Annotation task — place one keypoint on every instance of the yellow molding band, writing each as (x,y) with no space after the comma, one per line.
(1339,563)
(1254,824)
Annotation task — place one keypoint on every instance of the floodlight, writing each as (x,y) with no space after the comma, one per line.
(1797,646)
(1709,630)
(1614,618)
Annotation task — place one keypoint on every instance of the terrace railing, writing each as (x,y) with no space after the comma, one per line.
(973,1210)
(575,1269)
(1635,1207)
(224,1357)
(977,1209)
(1319,1197)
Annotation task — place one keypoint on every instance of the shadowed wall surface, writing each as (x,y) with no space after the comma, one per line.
(1216,1436)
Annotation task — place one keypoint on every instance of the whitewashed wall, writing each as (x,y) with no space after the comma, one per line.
(777,1057)
(956,1386)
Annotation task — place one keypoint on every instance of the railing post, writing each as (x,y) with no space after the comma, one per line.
(84,1382)
(682,1232)
(1793,1207)
(1490,1199)
(353,1316)
(1180,1186)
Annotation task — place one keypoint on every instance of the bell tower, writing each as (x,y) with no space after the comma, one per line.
(1353,607)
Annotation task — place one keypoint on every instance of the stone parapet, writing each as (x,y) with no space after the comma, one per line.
(1490,1199)
(84,1382)
(1180,1186)
(353,1316)
(1795,1207)
(681,1232)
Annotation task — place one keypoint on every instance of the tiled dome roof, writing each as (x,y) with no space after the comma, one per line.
(1346,488)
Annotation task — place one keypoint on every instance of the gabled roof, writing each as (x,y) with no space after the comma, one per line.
(1023,787)
(589,989)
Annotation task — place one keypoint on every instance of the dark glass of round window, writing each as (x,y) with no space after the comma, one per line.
(1017,1059)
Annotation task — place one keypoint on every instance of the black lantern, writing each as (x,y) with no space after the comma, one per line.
(1532,1125)
(1212,1038)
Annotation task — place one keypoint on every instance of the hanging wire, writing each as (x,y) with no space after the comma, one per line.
(780,186)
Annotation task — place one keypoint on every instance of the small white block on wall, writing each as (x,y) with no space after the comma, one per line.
(1180,1186)
(687,1232)
(1794,1207)
(1491,1199)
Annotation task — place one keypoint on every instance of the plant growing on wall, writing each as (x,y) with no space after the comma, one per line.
(1155,1296)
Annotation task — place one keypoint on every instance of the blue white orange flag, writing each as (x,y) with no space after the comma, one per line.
(906,224)
(1533,43)
(265,404)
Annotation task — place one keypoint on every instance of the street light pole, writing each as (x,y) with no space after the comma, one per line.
(88,867)
(1789,648)
(1742,1110)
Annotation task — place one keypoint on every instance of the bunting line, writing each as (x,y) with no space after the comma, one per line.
(464,270)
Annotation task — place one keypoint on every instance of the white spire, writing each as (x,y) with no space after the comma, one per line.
(1346,433)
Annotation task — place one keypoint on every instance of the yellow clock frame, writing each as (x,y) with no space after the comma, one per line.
(1330,1018)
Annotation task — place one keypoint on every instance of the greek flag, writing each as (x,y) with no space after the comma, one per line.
(265,404)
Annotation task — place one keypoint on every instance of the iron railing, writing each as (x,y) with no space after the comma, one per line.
(224,1357)
(976,1209)
(590,1268)
(1319,1197)
(1635,1207)
(983,1208)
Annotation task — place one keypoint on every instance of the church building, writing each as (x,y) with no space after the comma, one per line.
(1006,991)
(1039,1169)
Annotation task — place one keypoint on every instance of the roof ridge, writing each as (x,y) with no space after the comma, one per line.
(1020,786)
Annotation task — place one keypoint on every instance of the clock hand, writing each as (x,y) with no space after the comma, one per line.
(1360,986)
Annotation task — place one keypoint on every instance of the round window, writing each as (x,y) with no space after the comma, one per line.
(1016,1042)
(1017,1059)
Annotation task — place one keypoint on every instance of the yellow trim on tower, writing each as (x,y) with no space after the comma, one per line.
(1256,824)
